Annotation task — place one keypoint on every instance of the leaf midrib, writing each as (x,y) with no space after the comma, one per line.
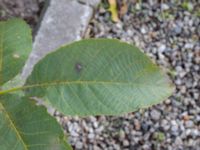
(13,126)
(55,83)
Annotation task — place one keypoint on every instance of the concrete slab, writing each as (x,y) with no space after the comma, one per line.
(92,3)
(63,22)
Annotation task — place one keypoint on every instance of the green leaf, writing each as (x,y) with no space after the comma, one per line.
(25,126)
(15,46)
(98,76)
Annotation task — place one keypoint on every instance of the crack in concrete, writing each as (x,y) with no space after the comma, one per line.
(86,3)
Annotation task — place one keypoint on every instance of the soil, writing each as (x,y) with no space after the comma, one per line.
(29,10)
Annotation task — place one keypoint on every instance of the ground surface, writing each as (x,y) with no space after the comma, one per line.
(26,9)
(170,34)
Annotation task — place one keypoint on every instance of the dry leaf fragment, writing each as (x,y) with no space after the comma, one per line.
(113,10)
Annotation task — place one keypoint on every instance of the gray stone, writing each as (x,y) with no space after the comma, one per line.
(164,6)
(178,141)
(177,30)
(162,48)
(116,147)
(63,22)
(189,124)
(50,110)
(125,143)
(99,129)
(155,115)
(95,147)
(174,130)
(79,145)
(143,30)
(91,136)
(122,135)
(189,46)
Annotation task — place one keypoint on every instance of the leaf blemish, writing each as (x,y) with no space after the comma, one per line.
(16,56)
(78,67)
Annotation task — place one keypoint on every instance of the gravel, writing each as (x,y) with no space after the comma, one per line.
(169,33)
(26,9)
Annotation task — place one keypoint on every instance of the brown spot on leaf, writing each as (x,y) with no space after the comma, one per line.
(78,67)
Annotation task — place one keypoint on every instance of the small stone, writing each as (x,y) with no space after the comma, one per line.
(130,32)
(138,6)
(186,117)
(164,6)
(116,147)
(177,30)
(146,147)
(91,136)
(95,147)
(73,133)
(161,48)
(178,81)
(95,124)
(196,96)
(119,25)
(182,74)
(178,141)
(51,110)
(161,56)
(99,129)
(189,124)
(143,30)
(145,127)
(125,143)
(137,124)
(79,145)
(188,46)
(179,69)
(165,125)
(122,135)
(174,130)
(155,115)
(192,132)
(183,89)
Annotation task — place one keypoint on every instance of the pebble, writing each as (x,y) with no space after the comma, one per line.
(79,145)
(178,141)
(95,147)
(91,136)
(177,30)
(125,143)
(165,125)
(174,130)
(137,124)
(189,124)
(164,6)
(143,30)
(161,48)
(189,46)
(155,115)
(145,127)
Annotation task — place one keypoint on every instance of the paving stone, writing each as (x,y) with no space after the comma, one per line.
(63,22)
